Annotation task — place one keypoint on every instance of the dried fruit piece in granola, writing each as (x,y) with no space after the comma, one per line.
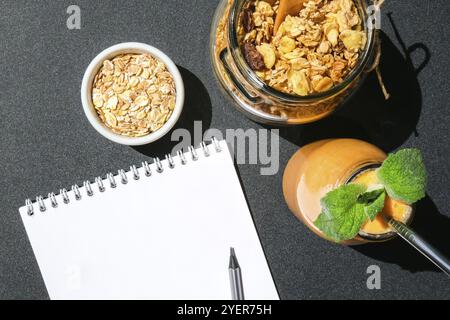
(247,20)
(253,57)
(268,53)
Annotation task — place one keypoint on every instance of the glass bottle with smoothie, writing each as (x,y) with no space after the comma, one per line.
(324,165)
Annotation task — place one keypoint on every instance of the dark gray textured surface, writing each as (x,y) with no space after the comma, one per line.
(46,142)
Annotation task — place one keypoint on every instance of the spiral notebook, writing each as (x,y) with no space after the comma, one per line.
(158,231)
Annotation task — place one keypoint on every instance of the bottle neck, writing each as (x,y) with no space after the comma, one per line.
(361,169)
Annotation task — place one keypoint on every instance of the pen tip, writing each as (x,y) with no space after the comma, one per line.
(233,260)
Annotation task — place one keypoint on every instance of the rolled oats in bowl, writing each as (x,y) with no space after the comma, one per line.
(134,94)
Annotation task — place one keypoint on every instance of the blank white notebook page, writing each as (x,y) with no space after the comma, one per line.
(167,236)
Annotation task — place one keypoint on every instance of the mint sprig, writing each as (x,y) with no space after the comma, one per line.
(403,175)
(373,202)
(346,208)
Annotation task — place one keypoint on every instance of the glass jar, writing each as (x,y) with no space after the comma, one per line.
(322,166)
(262,103)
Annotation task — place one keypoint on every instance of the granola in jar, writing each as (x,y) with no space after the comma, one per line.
(310,52)
(251,94)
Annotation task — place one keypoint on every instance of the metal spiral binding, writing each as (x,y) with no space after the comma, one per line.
(41,203)
(146,166)
(112,180)
(216,144)
(52,198)
(122,175)
(87,186)
(159,167)
(180,154)
(29,205)
(65,196)
(76,192)
(170,161)
(205,149)
(193,153)
(99,183)
(135,172)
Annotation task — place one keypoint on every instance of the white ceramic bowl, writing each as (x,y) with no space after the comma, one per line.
(86,92)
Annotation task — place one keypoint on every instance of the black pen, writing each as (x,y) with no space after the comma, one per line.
(237,289)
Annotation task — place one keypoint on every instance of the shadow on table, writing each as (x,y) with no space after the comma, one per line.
(367,115)
(197,107)
(429,223)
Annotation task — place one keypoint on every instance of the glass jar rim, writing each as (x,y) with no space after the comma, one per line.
(253,79)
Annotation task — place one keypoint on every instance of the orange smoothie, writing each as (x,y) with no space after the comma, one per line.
(393,208)
(322,166)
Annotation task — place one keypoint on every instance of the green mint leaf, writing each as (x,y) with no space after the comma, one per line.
(373,202)
(342,215)
(403,175)
(370,196)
